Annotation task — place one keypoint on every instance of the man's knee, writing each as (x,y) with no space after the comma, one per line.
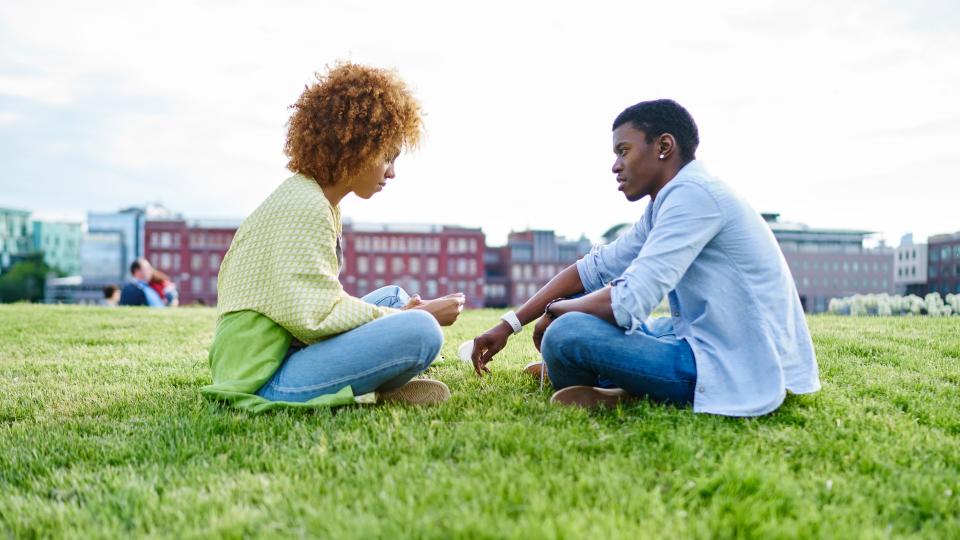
(563,334)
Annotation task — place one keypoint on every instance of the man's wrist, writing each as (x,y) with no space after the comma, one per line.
(550,311)
(511,319)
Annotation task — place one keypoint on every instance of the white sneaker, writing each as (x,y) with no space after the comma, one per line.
(417,392)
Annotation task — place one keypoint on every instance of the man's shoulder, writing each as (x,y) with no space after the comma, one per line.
(132,295)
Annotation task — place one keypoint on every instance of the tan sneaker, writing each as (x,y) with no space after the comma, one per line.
(535,369)
(417,392)
(590,397)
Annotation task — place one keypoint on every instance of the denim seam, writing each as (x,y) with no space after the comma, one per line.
(300,389)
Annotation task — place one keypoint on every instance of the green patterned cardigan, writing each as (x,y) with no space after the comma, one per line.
(278,281)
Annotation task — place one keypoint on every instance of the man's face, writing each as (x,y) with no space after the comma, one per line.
(637,166)
(374,178)
(146,271)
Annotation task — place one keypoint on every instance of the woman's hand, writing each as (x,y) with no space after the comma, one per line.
(414,301)
(445,309)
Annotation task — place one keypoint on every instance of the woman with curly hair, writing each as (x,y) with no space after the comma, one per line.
(287,333)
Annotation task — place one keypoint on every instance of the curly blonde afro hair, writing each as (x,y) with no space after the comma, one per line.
(351,117)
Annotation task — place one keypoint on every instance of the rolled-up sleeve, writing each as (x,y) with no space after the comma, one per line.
(605,263)
(685,219)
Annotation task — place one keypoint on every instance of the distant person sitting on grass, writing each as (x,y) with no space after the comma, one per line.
(111,295)
(165,287)
(736,339)
(287,332)
(138,292)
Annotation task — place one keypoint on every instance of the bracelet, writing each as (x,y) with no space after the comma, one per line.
(514,321)
(546,310)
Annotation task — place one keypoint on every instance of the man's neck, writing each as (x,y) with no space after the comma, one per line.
(669,174)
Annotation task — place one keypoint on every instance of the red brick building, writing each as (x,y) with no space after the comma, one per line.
(530,259)
(432,260)
(190,252)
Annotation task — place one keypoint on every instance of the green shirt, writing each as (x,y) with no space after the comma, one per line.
(278,281)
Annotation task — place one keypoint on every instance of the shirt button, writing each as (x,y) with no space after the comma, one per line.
(701,389)
(676,313)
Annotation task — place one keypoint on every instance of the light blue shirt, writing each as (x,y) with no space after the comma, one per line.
(731,294)
(153,299)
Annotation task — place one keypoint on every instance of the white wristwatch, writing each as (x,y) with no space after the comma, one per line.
(512,319)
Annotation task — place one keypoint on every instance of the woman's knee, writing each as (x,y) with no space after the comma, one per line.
(421,328)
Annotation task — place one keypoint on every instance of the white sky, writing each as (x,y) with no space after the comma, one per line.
(833,115)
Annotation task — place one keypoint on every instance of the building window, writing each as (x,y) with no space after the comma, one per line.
(377,283)
(516,272)
(397,265)
(431,288)
(379,265)
(945,253)
(518,292)
(196,284)
(213,284)
(461,266)
(214,261)
(432,266)
(165,262)
(362,265)
(196,261)
(414,265)
(176,262)
(362,287)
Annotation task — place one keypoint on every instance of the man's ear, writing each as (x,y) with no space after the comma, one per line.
(666,145)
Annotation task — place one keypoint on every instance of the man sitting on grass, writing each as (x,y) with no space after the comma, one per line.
(736,339)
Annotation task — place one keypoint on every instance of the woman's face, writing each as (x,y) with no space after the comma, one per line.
(374,178)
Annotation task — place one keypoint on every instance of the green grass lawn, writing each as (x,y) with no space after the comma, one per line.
(103,433)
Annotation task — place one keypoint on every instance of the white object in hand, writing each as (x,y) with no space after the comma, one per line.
(465,351)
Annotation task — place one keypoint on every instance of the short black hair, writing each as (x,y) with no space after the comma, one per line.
(661,116)
(109,290)
(134,266)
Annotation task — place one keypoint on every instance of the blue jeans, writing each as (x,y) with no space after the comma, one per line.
(581,349)
(381,355)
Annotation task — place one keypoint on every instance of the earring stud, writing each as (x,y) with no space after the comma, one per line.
(661,156)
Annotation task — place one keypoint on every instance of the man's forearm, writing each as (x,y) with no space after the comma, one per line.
(597,303)
(566,283)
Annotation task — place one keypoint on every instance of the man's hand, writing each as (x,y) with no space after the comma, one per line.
(445,309)
(487,344)
(539,329)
